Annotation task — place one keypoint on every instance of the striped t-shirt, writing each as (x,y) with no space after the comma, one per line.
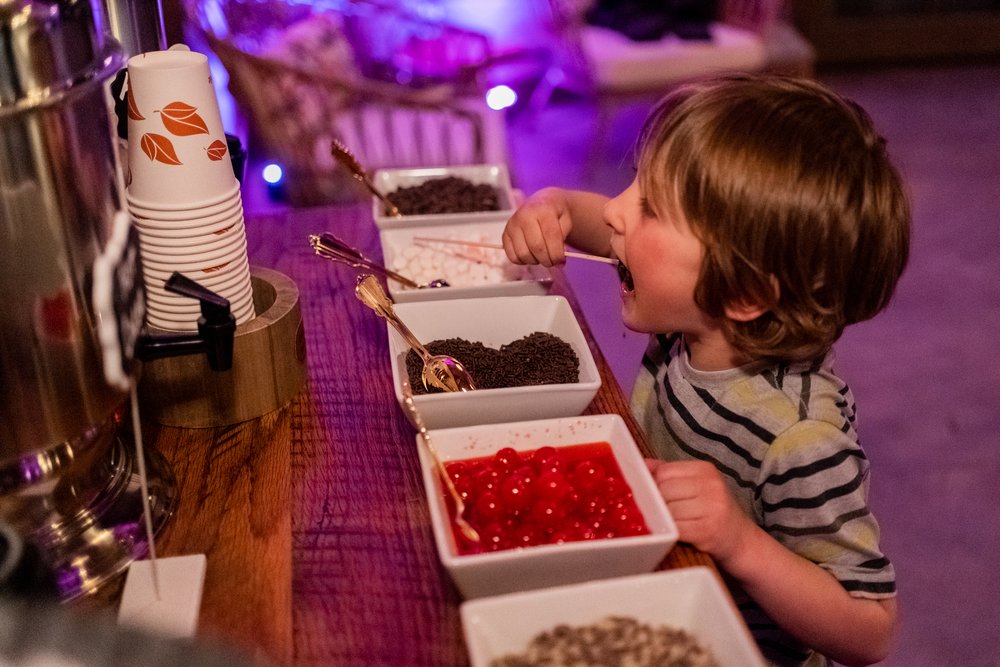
(784,439)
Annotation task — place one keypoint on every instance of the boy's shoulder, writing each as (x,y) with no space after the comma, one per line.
(782,396)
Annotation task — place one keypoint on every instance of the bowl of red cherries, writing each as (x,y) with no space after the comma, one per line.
(555,501)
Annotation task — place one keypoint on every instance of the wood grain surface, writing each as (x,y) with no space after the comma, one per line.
(318,536)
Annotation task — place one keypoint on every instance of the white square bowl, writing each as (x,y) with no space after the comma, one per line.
(456,263)
(528,568)
(389,180)
(689,599)
(495,321)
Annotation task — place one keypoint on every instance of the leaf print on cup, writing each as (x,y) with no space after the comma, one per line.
(133,110)
(216,150)
(182,119)
(159,148)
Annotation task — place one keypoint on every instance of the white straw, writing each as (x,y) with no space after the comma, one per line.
(144,489)
(497,246)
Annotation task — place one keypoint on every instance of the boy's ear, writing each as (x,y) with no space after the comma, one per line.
(744,311)
(748,310)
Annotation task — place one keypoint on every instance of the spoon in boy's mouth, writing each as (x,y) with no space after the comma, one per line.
(625,276)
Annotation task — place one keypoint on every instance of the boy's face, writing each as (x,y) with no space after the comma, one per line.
(663,258)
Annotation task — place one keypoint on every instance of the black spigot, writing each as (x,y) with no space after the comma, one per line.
(216,329)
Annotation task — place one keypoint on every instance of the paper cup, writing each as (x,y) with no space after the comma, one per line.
(188,210)
(154,242)
(178,156)
(203,263)
(220,247)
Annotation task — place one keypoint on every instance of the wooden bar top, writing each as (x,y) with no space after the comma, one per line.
(313,517)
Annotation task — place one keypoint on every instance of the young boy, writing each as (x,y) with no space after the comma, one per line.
(765,217)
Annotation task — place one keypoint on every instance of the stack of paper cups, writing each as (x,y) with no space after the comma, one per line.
(181,190)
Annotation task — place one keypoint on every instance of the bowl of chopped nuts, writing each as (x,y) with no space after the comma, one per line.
(527,356)
(464,255)
(554,502)
(675,617)
(443,195)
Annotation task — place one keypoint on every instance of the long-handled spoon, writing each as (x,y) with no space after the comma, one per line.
(497,246)
(439,370)
(425,436)
(344,156)
(330,247)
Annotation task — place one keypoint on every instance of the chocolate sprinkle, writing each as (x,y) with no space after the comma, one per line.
(450,194)
(538,358)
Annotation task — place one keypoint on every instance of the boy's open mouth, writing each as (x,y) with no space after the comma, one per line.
(625,276)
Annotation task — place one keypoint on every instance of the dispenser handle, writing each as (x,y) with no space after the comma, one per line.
(216,328)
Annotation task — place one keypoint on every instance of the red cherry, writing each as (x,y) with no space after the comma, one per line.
(493,537)
(488,506)
(547,513)
(588,474)
(515,494)
(487,480)
(637,528)
(526,535)
(506,460)
(526,473)
(560,536)
(553,485)
(612,488)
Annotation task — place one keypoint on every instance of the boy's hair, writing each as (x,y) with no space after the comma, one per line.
(790,189)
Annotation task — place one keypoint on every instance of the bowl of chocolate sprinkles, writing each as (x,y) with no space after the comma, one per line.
(444,195)
(664,619)
(527,355)
(538,358)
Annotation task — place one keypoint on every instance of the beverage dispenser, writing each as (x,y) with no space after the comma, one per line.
(67,481)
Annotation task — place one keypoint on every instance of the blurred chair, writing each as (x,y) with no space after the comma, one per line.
(746,35)
(399,91)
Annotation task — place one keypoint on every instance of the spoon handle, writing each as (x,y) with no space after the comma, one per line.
(344,156)
(370,293)
(330,247)
(425,436)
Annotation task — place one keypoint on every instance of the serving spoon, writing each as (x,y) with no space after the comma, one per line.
(345,157)
(418,423)
(439,370)
(330,247)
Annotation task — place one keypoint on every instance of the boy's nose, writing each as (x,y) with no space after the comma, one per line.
(611,215)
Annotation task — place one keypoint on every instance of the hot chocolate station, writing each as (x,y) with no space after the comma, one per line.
(374,430)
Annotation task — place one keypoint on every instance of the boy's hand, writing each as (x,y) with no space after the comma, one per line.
(703,509)
(536,233)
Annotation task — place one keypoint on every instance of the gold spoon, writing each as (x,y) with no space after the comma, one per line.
(456,497)
(330,247)
(439,370)
(344,156)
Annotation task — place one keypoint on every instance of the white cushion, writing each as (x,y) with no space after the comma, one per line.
(618,63)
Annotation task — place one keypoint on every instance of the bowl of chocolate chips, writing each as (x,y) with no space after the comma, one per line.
(527,356)
(663,619)
(443,195)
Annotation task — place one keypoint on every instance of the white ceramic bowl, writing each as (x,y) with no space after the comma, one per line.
(528,568)
(472,271)
(689,599)
(389,180)
(494,322)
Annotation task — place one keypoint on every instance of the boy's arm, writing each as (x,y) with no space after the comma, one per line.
(808,602)
(552,217)
(803,598)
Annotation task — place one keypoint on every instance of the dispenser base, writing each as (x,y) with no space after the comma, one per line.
(269,366)
(91,548)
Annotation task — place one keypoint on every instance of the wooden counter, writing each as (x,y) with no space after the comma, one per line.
(313,517)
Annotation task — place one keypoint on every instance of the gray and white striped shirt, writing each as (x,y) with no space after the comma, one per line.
(784,438)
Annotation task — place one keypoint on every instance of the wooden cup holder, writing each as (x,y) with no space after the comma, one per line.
(269,366)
